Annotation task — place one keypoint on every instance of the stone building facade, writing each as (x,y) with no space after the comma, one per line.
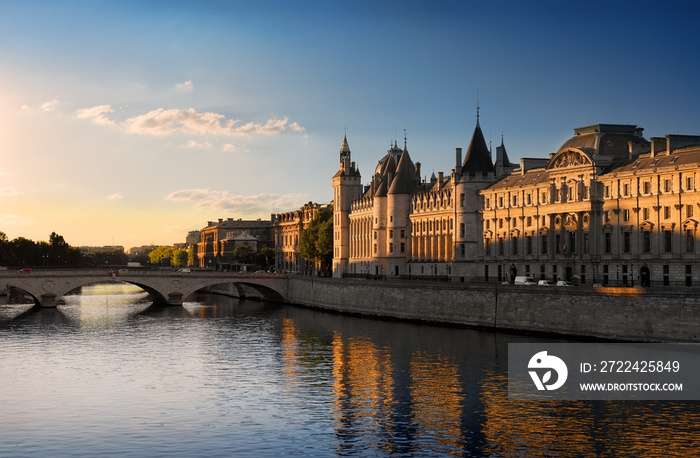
(400,226)
(609,207)
(219,239)
(287,229)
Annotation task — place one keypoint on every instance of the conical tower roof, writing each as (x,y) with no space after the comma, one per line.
(405,179)
(478,157)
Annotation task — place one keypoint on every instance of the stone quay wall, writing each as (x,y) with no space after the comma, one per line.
(626,314)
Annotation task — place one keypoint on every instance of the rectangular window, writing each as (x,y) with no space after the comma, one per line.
(646,186)
(403,247)
(667,212)
(461,229)
(375,248)
(572,242)
(645,213)
(391,247)
(625,215)
(583,274)
(403,233)
(689,211)
(688,275)
(529,221)
(668,186)
(586,243)
(606,242)
(689,240)
(500,245)
(626,241)
(528,244)
(689,184)
(646,237)
(625,189)
(500,202)
(607,191)
(666,276)
(515,245)
(544,242)
(391,233)
(461,201)
(668,241)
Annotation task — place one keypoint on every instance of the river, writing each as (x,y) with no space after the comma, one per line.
(110,374)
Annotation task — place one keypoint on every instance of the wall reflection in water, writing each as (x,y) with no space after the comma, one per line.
(400,394)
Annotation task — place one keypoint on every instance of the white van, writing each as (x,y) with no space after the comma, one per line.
(523,280)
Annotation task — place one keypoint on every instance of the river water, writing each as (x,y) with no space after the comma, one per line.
(109,374)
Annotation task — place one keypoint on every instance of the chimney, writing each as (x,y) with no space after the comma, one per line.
(418,170)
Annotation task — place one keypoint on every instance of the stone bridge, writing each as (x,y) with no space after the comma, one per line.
(47,287)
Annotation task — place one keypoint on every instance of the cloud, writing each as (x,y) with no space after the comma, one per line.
(229,148)
(115,196)
(196,144)
(8,219)
(51,105)
(190,121)
(206,199)
(186,86)
(8,192)
(97,114)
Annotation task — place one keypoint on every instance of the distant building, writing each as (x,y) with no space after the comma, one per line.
(288,227)
(218,240)
(100,249)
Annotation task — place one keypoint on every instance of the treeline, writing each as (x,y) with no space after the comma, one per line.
(22,252)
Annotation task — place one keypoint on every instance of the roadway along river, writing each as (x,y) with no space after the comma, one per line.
(108,374)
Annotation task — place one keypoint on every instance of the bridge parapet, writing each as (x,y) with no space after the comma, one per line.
(167,287)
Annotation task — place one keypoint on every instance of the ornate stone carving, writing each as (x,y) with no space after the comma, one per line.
(570,159)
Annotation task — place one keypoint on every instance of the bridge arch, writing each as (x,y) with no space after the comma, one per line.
(47,287)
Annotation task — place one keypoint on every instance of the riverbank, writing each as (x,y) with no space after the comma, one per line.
(628,314)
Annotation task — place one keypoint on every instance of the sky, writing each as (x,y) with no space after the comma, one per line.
(133,122)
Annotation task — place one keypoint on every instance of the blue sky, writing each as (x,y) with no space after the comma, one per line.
(134,122)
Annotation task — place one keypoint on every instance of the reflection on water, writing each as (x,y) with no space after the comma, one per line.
(110,374)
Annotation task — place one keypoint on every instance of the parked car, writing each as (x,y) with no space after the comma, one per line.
(25,270)
(524,280)
(564,283)
(545,283)
(184,270)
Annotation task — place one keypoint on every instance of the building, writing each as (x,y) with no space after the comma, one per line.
(287,228)
(401,226)
(219,239)
(609,207)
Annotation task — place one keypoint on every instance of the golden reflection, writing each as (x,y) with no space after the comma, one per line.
(363,390)
(102,305)
(583,428)
(437,399)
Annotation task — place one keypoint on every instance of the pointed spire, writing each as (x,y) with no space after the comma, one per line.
(478,158)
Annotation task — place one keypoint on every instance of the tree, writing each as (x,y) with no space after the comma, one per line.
(266,257)
(316,241)
(179,258)
(161,256)
(243,254)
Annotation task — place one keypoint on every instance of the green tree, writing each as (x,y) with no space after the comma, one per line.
(179,258)
(244,254)
(266,256)
(161,256)
(316,241)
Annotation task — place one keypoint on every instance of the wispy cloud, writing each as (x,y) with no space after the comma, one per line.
(8,192)
(191,121)
(196,144)
(9,219)
(257,204)
(97,114)
(115,196)
(229,148)
(51,105)
(187,86)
